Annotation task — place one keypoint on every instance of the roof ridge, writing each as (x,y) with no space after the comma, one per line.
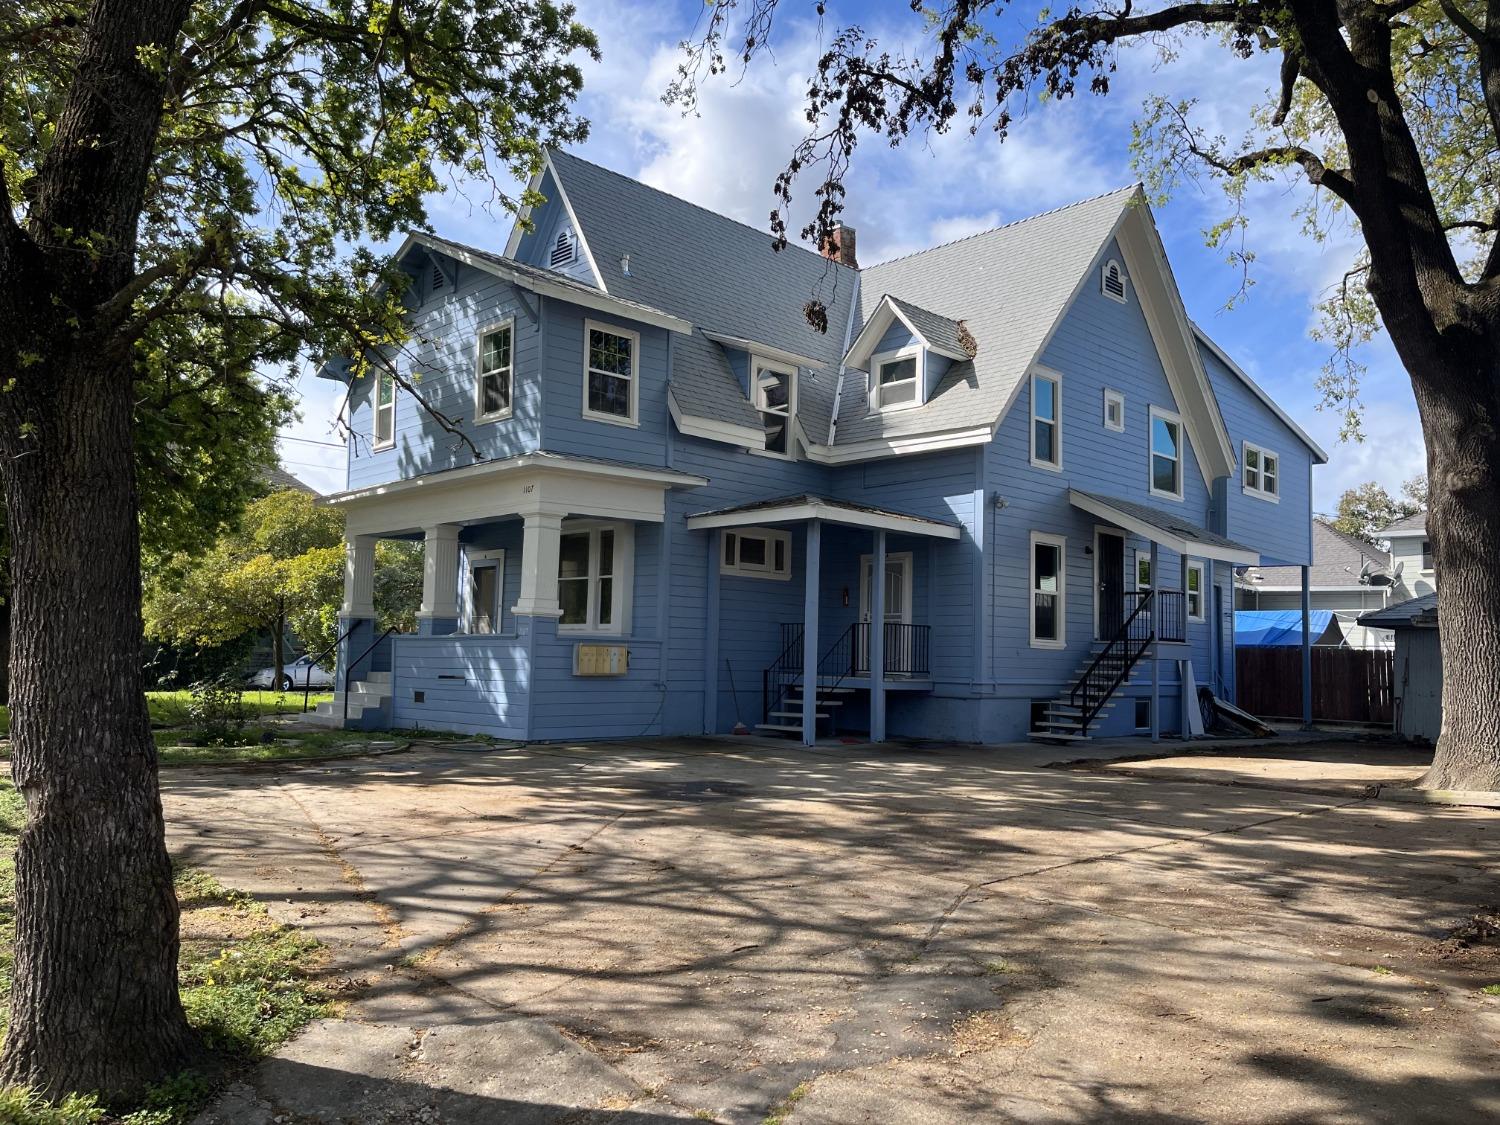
(1363,546)
(697,207)
(1137,186)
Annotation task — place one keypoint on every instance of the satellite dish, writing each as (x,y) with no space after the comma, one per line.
(1397,569)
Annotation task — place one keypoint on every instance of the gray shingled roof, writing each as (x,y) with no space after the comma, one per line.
(1009,286)
(1402,613)
(721,275)
(939,331)
(1168,522)
(823,501)
(1411,524)
(1338,560)
(279,480)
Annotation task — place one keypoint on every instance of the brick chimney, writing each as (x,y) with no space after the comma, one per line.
(840,246)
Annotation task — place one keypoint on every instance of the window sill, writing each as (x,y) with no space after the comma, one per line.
(1176,496)
(381,447)
(584,633)
(1257,494)
(1051,467)
(486,419)
(1053,645)
(612,420)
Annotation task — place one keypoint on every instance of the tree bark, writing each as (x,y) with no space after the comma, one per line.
(278,649)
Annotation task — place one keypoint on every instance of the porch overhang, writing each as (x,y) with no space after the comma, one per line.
(797,509)
(1163,528)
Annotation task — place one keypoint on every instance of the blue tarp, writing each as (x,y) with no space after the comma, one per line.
(1262,627)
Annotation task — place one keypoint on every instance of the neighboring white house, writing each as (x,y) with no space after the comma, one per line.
(1411,557)
(1348,576)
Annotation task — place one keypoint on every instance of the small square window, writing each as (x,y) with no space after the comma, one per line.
(896,382)
(754,552)
(1114,410)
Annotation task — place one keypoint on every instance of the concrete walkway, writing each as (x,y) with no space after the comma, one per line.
(747,931)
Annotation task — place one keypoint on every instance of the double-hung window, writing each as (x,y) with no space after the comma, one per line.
(776,399)
(1049,591)
(1195,591)
(385,410)
(1046,420)
(611,367)
(1166,454)
(492,389)
(593,578)
(1262,473)
(896,381)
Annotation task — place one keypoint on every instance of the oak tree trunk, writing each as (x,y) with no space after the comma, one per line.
(95,1002)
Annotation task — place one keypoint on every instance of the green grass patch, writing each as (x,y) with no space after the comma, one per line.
(248,985)
(779,1115)
(287,746)
(170,708)
(1491,990)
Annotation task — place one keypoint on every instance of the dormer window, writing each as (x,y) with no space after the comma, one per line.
(896,381)
(1113,281)
(775,399)
(564,250)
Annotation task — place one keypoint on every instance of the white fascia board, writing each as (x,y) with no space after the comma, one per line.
(765,351)
(576,294)
(923,340)
(829,513)
(874,448)
(1404,533)
(1255,389)
(710,429)
(1193,547)
(514,242)
(1313,589)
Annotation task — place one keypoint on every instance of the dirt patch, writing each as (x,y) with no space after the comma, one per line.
(986,1031)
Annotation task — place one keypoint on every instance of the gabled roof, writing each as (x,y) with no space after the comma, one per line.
(1338,560)
(1413,611)
(807,506)
(1408,525)
(1169,529)
(934,332)
(1319,456)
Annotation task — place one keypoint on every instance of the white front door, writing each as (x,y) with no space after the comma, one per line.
(897,610)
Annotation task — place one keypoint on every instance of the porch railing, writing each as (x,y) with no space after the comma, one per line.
(907,649)
(907,653)
(1149,616)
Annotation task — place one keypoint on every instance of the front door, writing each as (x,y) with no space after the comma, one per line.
(1109,574)
(898,641)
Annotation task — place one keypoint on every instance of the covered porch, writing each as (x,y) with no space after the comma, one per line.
(856,623)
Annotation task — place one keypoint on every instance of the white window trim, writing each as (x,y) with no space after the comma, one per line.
(1258,491)
(1061,543)
(743,570)
(1176,420)
(623,575)
(1113,396)
(1057,445)
(472,561)
(1187,595)
(758,364)
(509,324)
(635,374)
(376,442)
(919,377)
(1124,296)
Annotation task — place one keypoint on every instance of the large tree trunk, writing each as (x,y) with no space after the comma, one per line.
(95,1004)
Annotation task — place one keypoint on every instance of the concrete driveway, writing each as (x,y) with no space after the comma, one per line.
(752,932)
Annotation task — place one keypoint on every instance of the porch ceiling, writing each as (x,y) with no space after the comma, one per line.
(796,509)
(1170,531)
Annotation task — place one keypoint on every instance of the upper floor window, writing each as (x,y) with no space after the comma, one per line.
(493,387)
(593,577)
(564,250)
(1166,454)
(776,399)
(1427,554)
(1112,282)
(896,381)
(1195,591)
(610,393)
(385,410)
(1262,472)
(1049,590)
(1046,420)
(757,552)
(1114,410)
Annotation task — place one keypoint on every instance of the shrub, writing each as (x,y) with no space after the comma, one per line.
(216,712)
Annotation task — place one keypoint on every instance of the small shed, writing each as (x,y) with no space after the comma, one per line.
(1418,674)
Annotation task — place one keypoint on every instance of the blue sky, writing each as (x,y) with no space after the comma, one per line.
(934,190)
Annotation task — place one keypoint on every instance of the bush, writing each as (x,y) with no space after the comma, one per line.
(216,712)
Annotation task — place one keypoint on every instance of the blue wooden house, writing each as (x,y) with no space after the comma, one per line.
(1002,492)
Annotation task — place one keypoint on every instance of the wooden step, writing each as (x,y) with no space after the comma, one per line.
(1050,736)
(797,699)
(780,728)
(796,715)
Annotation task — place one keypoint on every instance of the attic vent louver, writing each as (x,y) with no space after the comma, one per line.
(437,280)
(562,250)
(1113,282)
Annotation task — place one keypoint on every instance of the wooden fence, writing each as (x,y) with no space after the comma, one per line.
(1350,685)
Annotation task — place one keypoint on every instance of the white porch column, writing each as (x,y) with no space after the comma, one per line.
(877,639)
(359,576)
(439,612)
(541,540)
(810,634)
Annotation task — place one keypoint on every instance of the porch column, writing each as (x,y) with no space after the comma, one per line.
(877,639)
(1155,646)
(1307,707)
(540,543)
(810,633)
(359,576)
(439,612)
(711,640)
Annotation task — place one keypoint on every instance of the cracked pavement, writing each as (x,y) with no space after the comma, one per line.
(665,930)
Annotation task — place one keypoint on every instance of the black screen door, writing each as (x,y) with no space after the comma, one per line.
(1110,608)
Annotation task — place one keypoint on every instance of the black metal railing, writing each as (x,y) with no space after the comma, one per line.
(907,653)
(307,680)
(907,649)
(348,670)
(1111,667)
(1171,616)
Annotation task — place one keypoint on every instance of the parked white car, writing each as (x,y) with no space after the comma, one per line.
(300,673)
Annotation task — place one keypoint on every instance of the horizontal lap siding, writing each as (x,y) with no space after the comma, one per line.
(442,360)
(491,697)
(1281,531)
